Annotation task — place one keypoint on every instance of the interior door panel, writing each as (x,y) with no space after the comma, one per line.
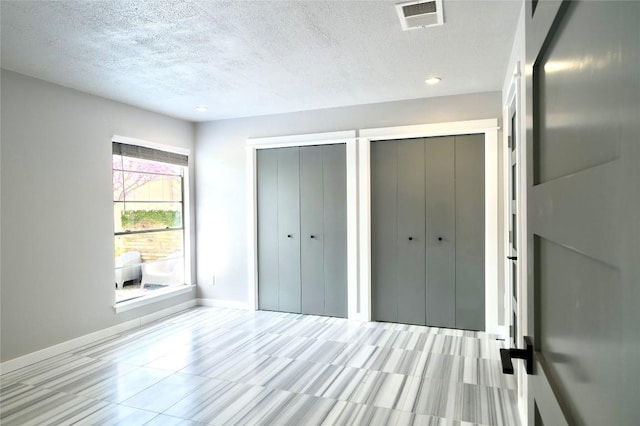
(584,107)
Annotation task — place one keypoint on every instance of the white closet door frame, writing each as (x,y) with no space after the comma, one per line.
(489,128)
(330,138)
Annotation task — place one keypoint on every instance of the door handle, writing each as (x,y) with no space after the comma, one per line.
(410,238)
(313,236)
(439,238)
(512,257)
(507,356)
(289,236)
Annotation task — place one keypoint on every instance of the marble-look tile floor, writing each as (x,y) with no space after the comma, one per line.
(225,367)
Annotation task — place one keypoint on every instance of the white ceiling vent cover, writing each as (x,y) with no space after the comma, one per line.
(420,14)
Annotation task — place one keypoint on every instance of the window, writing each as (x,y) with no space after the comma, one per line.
(148,213)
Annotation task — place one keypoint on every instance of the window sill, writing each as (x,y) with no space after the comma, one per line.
(152,298)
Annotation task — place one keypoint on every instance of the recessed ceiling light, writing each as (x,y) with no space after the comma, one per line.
(202,108)
(433,80)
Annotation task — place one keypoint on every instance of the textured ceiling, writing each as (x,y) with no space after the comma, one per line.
(245,58)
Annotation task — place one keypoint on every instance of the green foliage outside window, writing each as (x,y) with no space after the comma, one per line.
(151,219)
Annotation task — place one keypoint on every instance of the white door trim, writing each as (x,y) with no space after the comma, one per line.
(252,146)
(488,127)
(514,103)
(359,205)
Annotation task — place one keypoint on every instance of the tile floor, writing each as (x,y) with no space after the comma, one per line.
(224,367)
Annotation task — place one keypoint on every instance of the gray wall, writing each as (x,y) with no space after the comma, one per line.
(56,210)
(221,174)
(57,279)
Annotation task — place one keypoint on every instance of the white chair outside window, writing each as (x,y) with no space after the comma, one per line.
(164,272)
(127,268)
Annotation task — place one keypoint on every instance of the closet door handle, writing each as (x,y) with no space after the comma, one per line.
(313,236)
(289,236)
(410,238)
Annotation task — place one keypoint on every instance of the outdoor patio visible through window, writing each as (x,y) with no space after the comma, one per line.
(148,211)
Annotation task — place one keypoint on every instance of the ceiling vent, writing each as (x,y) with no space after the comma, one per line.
(420,14)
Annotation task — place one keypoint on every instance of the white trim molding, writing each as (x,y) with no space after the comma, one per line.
(511,106)
(87,339)
(69,345)
(147,144)
(431,130)
(154,297)
(514,102)
(359,205)
(344,137)
(488,127)
(302,140)
(189,236)
(219,303)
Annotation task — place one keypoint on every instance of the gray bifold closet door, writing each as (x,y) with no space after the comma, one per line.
(335,230)
(278,187)
(384,230)
(441,232)
(427,217)
(470,235)
(411,232)
(302,247)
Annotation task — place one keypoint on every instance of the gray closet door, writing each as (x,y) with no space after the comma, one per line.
(469,215)
(440,232)
(384,222)
(312,230)
(302,230)
(427,220)
(410,241)
(267,186)
(289,229)
(335,230)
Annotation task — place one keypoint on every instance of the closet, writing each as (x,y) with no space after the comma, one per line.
(427,226)
(302,230)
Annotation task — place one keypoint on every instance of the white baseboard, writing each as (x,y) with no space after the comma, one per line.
(218,303)
(69,345)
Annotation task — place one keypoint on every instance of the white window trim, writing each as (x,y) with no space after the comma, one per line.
(153,145)
(154,297)
(189,286)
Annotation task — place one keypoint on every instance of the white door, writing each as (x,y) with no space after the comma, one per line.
(514,227)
